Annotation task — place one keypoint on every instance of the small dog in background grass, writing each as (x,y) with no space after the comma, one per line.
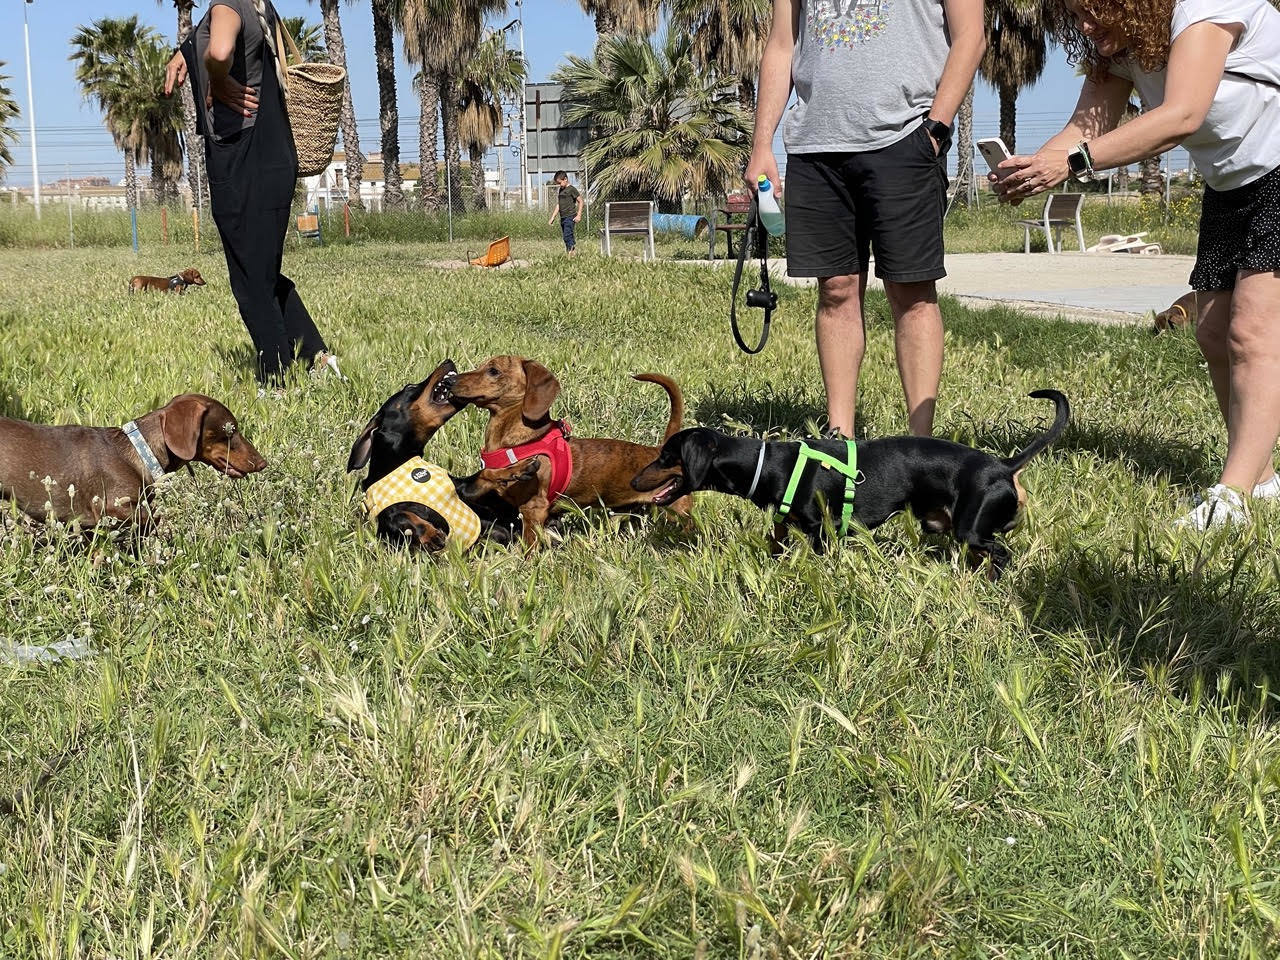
(1181,313)
(177,283)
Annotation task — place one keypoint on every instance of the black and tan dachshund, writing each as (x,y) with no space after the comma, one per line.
(398,432)
(948,486)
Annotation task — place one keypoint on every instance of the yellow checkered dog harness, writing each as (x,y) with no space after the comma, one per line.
(417,481)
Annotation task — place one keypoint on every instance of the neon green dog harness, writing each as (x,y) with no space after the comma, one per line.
(849,469)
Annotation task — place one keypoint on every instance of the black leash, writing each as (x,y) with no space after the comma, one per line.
(756,239)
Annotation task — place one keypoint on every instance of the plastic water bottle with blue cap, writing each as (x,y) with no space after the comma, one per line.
(770,212)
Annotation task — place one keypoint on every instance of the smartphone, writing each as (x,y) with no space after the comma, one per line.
(994,152)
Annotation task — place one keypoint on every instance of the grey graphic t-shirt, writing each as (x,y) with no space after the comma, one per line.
(864,71)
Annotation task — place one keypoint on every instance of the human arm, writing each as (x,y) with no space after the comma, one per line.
(577,217)
(1196,61)
(772,91)
(224,28)
(968,42)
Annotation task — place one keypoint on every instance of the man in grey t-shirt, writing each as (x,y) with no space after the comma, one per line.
(877,85)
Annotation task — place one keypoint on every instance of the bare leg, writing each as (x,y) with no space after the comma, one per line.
(842,341)
(918,342)
(1253,356)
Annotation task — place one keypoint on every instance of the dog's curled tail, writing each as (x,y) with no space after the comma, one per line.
(677,401)
(1060,421)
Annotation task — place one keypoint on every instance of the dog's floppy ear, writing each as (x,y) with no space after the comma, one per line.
(182,421)
(697,452)
(363,447)
(540,390)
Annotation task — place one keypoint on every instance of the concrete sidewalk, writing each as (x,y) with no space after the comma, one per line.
(1097,287)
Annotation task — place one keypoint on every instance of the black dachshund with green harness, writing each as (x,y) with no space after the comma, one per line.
(948,487)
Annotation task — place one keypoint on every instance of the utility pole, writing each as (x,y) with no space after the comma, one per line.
(31,110)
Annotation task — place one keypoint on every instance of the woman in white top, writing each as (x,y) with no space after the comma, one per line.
(1208,73)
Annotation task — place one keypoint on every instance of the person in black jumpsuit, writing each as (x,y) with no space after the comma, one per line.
(252,172)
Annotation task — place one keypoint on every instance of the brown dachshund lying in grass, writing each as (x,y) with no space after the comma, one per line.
(91,474)
(178,283)
(518,394)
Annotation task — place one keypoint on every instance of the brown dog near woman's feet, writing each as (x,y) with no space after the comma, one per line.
(177,283)
(1181,313)
(91,474)
(518,394)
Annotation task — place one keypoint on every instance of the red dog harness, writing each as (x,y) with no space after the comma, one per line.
(554,445)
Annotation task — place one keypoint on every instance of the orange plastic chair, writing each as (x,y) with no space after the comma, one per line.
(499,252)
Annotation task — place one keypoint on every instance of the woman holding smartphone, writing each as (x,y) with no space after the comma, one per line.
(237,78)
(1208,74)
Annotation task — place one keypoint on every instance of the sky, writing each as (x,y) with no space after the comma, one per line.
(71,139)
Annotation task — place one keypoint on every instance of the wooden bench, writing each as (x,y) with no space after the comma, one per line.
(499,252)
(309,227)
(737,205)
(1060,210)
(628,218)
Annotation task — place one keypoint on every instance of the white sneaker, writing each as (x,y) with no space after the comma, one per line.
(325,362)
(1221,506)
(1262,491)
(1269,490)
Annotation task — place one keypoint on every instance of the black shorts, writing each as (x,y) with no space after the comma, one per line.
(840,206)
(1239,230)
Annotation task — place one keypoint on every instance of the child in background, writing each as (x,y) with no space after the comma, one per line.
(568,209)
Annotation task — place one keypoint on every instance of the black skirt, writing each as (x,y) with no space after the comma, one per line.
(1239,230)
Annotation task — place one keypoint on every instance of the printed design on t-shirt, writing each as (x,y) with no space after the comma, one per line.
(842,23)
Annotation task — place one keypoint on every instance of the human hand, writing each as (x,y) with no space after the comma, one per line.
(763,162)
(552,221)
(578,218)
(228,90)
(1021,177)
(175,73)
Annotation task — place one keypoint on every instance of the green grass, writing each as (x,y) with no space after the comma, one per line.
(990,227)
(638,743)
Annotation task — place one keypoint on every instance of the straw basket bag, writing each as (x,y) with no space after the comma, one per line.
(313,95)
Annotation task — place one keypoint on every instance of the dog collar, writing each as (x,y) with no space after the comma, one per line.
(144,450)
(755,481)
(849,469)
(416,481)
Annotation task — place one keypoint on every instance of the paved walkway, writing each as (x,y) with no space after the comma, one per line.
(1098,287)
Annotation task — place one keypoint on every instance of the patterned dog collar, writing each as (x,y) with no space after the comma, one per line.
(144,450)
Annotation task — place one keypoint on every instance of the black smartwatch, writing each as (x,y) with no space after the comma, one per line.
(1080,163)
(940,132)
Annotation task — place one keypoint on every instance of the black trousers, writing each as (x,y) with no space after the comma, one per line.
(277,320)
(251,180)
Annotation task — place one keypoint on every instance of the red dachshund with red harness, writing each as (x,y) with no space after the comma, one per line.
(518,394)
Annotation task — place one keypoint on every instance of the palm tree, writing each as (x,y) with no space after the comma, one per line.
(428,87)
(350,135)
(120,64)
(667,129)
(629,18)
(493,76)
(8,113)
(1017,43)
(306,37)
(441,36)
(384,16)
(196,179)
(728,37)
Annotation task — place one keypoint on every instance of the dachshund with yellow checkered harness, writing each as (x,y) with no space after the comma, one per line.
(417,504)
